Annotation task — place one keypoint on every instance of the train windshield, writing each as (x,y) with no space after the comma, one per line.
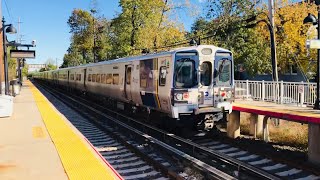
(223,70)
(206,73)
(185,71)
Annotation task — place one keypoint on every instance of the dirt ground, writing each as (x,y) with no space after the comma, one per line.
(287,133)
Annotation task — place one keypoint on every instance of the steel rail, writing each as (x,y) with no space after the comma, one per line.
(196,148)
(212,172)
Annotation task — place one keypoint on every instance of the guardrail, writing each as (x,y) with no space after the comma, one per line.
(299,93)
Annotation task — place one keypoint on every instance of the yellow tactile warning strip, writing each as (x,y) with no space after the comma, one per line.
(37,132)
(78,160)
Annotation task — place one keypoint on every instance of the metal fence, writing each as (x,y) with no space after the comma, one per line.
(299,93)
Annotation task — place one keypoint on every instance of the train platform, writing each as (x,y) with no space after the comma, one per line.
(267,110)
(37,142)
(289,112)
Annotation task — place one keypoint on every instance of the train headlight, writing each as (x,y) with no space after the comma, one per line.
(185,96)
(229,94)
(178,96)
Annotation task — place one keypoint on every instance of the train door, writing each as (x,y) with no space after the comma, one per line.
(52,77)
(205,87)
(68,79)
(128,81)
(164,83)
(85,78)
(58,78)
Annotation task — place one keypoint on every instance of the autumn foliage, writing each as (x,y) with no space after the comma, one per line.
(238,25)
(291,34)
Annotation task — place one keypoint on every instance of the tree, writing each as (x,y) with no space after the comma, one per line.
(291,33)
(49,65)
(89,38)
(24,70)
(143,24)
(228,16)
(12,64)
(81,28)
(73,57)
(226,26)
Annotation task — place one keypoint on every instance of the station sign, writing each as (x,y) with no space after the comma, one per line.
(22,54)
(313,44)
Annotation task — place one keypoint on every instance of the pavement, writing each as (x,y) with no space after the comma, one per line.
(38,142)
(281,111)
(26,149)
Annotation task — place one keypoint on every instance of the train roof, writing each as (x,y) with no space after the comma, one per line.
(145,56)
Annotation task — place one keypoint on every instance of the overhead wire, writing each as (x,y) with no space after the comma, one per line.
(8,10)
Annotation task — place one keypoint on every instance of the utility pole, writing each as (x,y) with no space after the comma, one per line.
(19,36)
(94,11)
(19,59)
(273,43)
(274,56)
(1,55)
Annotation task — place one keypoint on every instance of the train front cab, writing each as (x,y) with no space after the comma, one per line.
(202,86)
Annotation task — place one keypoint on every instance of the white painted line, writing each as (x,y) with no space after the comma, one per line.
(219,146)
(289,173)
(253,156)
(310,177)
(228,150)
(277,166)
(237,153)
(210,143)
(263,161)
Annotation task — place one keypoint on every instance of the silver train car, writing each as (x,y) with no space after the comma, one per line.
(194,83)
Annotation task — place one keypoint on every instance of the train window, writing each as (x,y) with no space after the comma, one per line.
(116,79)
(185,76)
(223,72)
(79,77)
(163,76)
(89,77)
(103,78)
(206,73)
(94,77)
(72,77)
(128,75)
(146,73)
(98,78)
(109,79)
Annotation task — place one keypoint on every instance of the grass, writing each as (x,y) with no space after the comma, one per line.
(287,133)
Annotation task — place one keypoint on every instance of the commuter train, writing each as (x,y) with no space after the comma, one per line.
(194,83)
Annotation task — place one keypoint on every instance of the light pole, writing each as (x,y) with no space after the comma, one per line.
(312,19)
(93,11)
(10,30)
(272,46)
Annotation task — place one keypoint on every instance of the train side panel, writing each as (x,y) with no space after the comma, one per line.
(165,73)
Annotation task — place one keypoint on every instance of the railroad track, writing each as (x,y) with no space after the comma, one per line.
(122,158)
(141,160)
(279,169)
(236,162)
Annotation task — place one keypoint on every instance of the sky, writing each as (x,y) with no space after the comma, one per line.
(46,22)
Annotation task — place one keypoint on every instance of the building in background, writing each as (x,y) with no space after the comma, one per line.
(35,67)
